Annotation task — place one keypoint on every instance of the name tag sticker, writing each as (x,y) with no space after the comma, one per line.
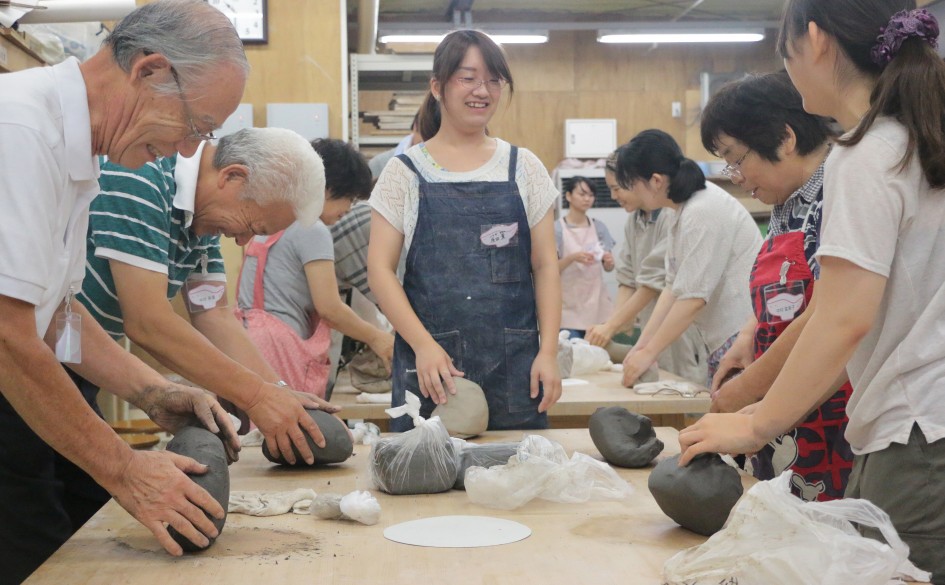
(499,235)
(203,295)
(785,302)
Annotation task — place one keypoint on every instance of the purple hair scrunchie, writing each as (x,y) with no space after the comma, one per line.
(903,25)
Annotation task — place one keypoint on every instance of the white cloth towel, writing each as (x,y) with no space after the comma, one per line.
(271,503)
(684,389)
(365,398)
(253,438)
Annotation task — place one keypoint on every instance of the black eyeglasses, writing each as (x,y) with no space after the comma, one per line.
(195,133)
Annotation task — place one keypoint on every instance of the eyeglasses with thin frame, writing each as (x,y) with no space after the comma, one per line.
(734,170)
(195,133)
(493,85)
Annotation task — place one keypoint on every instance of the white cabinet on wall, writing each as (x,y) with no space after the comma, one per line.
(374,79)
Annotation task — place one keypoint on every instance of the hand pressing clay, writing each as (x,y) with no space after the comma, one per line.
(699,496)
(486,456)
(420,461)
(624,438)
(617,351)
(368,373)
(466,413)
(206,448)
(338,443)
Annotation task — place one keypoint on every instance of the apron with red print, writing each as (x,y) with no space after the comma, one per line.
(816,451)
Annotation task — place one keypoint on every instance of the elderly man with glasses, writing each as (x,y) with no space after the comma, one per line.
(124,102)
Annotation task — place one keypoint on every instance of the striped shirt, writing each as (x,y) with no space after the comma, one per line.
(143,218)
(351,234)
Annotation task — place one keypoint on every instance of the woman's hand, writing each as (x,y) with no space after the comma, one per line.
(545,370)
(599,335)
(608,261)
(434,367)
(637,362)
(383,345)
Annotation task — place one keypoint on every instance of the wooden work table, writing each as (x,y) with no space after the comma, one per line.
(576,403)
(623,542)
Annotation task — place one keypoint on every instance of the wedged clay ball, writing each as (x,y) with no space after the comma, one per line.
(624,438)
(488,455)
(652,374)
(699,496)
(338,444)
(617,351)
(466,413)
(206,448)
(401,467)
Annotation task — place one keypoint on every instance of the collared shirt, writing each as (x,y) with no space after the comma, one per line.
(143,218)
(802,210)
(48,177)
(641,259)
(351,235)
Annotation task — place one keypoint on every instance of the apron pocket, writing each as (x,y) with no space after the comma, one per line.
(506,264)
(521,347)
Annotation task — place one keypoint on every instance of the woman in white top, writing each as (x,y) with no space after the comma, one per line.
(584,254)
(879,306)
(712,245)
(481,279)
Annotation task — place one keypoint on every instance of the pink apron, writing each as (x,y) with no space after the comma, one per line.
(584,298)
(302,363)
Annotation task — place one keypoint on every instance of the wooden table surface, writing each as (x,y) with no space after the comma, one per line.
(623,542)
(604,389)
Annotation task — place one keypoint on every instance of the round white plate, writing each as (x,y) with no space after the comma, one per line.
(458,532)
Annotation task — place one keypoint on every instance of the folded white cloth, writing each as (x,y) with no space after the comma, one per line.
(366,398)
(684,389)
(271,503)
(253,438)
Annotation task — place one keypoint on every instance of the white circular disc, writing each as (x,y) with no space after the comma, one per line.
(458,532)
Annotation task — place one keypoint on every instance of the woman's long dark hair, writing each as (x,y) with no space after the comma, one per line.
(447,58)
(910,88)
(655,152)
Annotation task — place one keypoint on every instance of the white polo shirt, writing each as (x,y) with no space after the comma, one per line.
(48,178)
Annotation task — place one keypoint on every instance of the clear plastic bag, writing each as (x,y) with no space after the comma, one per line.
(774,538)
(542,469)
(419,461)
(586,358)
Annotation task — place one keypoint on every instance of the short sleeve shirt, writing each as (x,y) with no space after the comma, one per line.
(396,195)
(48,178)
(802,211)
(285,285)
(143,218)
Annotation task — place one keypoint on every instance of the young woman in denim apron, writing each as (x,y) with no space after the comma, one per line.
(878,308)
(481,280)
(776,152)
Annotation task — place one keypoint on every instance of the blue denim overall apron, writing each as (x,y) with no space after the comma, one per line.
(469,280)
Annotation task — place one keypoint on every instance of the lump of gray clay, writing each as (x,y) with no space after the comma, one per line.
(565,359)
(466,413)
(652,374)
(699,496)
(400,467)
(206,448)
(338,443)
(624,438)
(617,351)
(487,455)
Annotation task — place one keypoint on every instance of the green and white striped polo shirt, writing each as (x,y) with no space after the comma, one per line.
(142,218)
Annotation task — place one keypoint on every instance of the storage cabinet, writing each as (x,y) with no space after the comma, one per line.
(374,79)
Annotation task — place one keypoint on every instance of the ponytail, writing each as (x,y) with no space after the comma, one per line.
(428,122)
(654,152)
(911,89)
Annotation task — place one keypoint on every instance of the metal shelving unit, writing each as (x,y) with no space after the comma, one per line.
(384,72)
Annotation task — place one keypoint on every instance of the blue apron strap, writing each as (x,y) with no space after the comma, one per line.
(513,161)
(406,160)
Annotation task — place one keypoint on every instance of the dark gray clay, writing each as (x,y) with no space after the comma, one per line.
(617,351)
(487,455)
(338,444)
(699,496)
(652,374)
(206,448)
(466,413)
(624,438)
(427,467)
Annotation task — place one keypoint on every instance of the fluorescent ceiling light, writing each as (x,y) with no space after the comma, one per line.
(503,38)
(681,37)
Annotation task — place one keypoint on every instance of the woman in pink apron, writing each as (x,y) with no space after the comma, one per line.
(288,299)
(584,253)
(776,151)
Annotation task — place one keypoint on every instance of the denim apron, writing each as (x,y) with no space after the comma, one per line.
(468,278)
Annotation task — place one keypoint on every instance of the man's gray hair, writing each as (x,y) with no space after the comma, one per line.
(194,36)
(283,167)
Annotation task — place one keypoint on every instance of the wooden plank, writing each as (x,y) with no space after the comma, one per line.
(14,54)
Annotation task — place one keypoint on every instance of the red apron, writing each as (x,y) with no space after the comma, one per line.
(816,451)
(302,363)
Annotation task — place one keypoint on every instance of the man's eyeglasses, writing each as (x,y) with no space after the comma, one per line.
(473,83)
(195,133)
(734,170)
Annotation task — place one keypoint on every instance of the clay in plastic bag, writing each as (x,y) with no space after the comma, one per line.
(774,538)
(586,358)
(542,469)
(419,461)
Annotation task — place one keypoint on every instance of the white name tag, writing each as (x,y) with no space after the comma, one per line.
(499,235)
(785,305)
(204,295)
